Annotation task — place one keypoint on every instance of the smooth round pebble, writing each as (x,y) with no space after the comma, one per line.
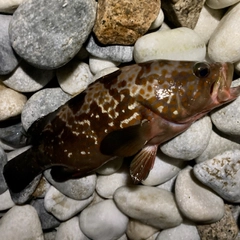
(74,77)
(111,223)
(218,4)
(184,231)
(222,174)
(41,103)
(191,143)
(224,44)
(169,185)
(149,205)
(8,59)
(6,201)
(195,201)
(164,169)
(158,21)
(97,64)
(104,72)
(111,166)
(11,103)
(177,44)
(62,207)
(9,6)
(48,40)
(3,161)
(27,78)
(78,189)
(21,223)
(70,230)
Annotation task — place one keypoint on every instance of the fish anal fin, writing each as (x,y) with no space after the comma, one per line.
(142,163)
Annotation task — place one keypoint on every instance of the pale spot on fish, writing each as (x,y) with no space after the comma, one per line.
(126,121)
(83,152)
(175,112)
(69,155)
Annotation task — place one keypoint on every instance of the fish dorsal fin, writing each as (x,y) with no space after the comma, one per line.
(142,163)
(125,142)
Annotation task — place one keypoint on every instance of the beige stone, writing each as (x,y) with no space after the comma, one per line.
(124,21)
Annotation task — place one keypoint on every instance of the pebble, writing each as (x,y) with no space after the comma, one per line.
(222,174)
(191,143)
(41,103)
(62,207)
(104,72)
(169,185)
(9,6)
(48,40)
(176,44)
(3,161)
(184,231)
(111,223)
(42,188)
(110,167)
(224,229)
(70,230)
(74,77)
(195,201)
(50,235)
(78,189)
(8,59)
(142,203)
(218,4)
(115,26)
(182,13)
(164,169)
(116,53)
(137,230)
(11,103)
(224,43)
(6,201)
(21,223)
(27,78)
(158,21)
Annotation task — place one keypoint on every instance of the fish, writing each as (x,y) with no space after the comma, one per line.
(127,113)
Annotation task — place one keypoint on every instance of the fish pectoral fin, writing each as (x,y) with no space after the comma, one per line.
(142,163)
(124,142)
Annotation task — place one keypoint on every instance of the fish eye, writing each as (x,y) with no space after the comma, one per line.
(201,69)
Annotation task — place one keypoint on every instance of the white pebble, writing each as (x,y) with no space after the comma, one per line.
(217,4)
(158,21)
(110,167)
(177,44)
(6,201)
(103,221)
(9,6)
(104,72)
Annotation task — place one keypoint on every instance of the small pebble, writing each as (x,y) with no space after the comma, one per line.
(27,78)
(21,223)
(50,235)
(74,77)
(3,161)
(110,167)
(6,201)
(169,185)
(191,143)
(177,44)
(62,207)
(111,223)
(104,72)
(222,174)
(195,201)
(218,4)
(70,230)
(78,189)
(142,203)
(158,21)
(42,188)
(9,6)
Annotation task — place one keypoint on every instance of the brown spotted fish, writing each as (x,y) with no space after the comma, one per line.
(126,113)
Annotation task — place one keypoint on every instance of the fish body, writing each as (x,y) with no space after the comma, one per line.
(127,113)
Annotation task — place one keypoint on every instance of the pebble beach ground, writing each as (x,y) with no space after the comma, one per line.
(51,51)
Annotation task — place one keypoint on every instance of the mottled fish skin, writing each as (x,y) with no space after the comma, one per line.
(126,113)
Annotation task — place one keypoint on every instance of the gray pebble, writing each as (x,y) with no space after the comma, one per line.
(42,103)
(27,78)
(8,59)
(3,161)
(49,40)
(117,53)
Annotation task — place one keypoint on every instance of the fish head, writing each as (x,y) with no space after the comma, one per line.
(188,90)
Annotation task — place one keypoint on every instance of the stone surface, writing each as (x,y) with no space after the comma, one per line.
(191,143)
(11,103)
(195,201)
(49,40)
(21,223)
(3,161)
(74,77)
(104,72)
(70,230)
(8,59)
(169,185)
(222,174)
(176,44)
(110,167)
(78,189)
(182,13)
(117,53)
(158,21)
(111,224)
(42,103)
(149,205)
(218,4)
(42,188)
(62,207)
(224,43)
(225,229)
(124,21)
(6,201)
(26,78)
(9,6)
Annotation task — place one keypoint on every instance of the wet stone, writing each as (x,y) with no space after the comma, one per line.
(48,40)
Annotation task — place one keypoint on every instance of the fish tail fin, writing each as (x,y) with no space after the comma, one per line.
(21,171)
